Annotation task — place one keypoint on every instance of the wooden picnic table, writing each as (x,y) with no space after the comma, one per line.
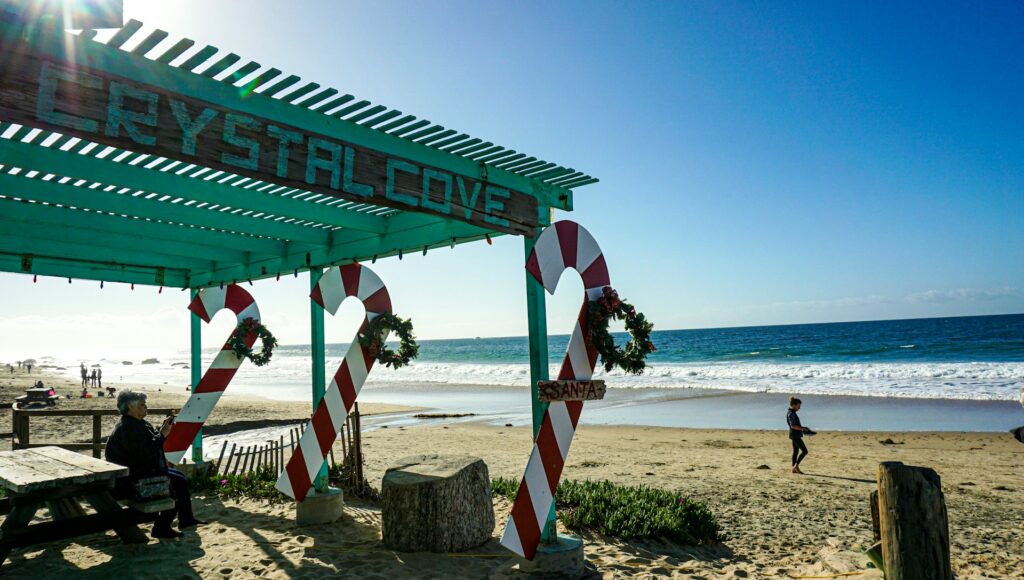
(38,395)
(60,480)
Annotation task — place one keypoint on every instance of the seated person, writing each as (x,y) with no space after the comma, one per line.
(135,444)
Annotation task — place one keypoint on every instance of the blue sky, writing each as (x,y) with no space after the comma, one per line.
(761,163)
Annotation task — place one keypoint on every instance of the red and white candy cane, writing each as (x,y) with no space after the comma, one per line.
(334,286)
(207,303)
(561,246)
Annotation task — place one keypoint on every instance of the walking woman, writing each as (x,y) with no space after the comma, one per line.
(796,434)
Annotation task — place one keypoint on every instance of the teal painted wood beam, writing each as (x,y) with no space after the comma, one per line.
(438,233)
(196,366)
(202,240)
(536,316)
(113,257)
(55,231)
(318,355)
(97,199)
(60,267)
(51,160)
(140,69)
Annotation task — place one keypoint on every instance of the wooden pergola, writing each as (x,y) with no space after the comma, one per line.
(174,164)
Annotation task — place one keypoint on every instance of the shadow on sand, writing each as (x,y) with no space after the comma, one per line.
(871,481)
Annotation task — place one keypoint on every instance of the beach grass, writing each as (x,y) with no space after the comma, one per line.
(628,512)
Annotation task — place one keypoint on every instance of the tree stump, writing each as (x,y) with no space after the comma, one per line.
(436,503)
(913,523)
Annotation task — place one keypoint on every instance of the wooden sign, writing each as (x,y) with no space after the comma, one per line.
(570,390)
(98,106)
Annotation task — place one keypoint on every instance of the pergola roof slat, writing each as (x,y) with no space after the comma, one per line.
(149,42)
(175,51)
(221,65)
(381,118)
(67,194)
(95,270)
(178,185)
(299,92)
(280,85)
(96,247)
(197,59)
(317,98)
(127,31)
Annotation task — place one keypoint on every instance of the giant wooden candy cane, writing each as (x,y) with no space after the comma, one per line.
(204,397)
(334,286)
(559,247)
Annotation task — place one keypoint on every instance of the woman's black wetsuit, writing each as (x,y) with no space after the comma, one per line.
(797,437)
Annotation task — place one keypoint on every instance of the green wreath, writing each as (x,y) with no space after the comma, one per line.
(373,340)
(632,359)
(246,328)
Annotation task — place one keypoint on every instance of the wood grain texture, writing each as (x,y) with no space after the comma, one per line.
(570,390)
(28,470)
(913,523)
(436,503)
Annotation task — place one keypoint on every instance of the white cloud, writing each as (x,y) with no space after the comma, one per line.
(965,295)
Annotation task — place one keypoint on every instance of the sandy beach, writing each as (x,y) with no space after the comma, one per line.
(777,524)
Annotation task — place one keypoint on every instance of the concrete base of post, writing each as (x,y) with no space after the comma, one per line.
(193,469)
(320,507)
(561,559)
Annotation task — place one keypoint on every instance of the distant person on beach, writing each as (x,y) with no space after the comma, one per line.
(93,377)
(1018,433)
(796,434)
(99,378)
(135,444)
(29,368)
(85,376)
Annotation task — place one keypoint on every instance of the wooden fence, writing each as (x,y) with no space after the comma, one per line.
(21,435)
(238,460)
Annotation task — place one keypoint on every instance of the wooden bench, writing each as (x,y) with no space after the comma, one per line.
(149,506)
(59,480)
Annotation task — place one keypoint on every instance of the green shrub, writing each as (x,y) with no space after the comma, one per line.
(260,485)
(627,512)
(505,487)
(257,485)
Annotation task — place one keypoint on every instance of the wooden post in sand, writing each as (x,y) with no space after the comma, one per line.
(876,527)
(913,523)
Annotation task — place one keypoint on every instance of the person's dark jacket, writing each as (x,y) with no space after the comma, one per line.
(794,421)
(135,444)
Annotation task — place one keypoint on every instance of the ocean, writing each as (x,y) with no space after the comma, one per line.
(976,358)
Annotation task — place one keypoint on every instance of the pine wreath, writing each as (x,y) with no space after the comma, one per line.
(246,328)
(373,340)
(632,358)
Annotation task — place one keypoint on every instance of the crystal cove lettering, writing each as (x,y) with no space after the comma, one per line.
(125,114)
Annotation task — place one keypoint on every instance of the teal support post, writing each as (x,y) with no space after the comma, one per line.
(536,312)
(318,354)
(196,344)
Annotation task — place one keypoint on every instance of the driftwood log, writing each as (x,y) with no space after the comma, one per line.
(436,503)
(913,523)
